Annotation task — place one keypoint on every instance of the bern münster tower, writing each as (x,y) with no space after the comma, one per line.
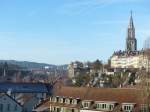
(131,42)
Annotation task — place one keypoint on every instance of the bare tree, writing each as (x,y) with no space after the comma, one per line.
(147,43)
(145,76)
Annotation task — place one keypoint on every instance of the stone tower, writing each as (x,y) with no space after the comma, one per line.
(131,42)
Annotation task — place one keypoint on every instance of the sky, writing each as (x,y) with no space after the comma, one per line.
(62,31)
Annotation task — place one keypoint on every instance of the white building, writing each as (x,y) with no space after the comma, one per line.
(127,61)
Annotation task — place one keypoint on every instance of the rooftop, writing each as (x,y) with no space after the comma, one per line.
(119,95)
(126,53)
(23,87)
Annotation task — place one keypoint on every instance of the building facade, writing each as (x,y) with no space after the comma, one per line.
(77,68)
(126,60)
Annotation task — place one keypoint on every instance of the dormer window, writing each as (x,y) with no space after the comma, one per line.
(67,101)
(74,101)
(107,106)
(86,104)
(53,99)
(61,100)
(111,106)
(50,99)
(128,107)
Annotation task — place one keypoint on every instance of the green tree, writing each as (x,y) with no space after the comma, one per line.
(82,80)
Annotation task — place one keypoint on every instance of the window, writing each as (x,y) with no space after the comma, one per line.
(104,106)
(98,106)
(1,107)
(111,107)
(58,110)
(54,99)
(72,110)
(74,101)
(15,108)
(67,101)
(127,107)
(8,107)
(50,99)
(61,100)
(86,104)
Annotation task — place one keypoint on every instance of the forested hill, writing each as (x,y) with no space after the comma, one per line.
(31,65)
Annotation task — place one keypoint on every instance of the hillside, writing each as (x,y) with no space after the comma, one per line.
(32,65)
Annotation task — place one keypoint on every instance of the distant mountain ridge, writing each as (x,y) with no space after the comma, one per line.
(33,65)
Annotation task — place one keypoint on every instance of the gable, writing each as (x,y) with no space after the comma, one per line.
(5,99)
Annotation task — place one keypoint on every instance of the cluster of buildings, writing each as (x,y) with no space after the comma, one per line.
(86,99)
(131,57)
(130,60)
(41,97)
(22,97)
(78,68)
(94,70)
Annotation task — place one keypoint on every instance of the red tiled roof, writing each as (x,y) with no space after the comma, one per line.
(64,105)
(43,106)
(120,95)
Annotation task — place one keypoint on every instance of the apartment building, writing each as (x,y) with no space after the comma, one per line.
(127,60)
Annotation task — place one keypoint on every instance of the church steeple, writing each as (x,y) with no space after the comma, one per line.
(131,43)
(131,24)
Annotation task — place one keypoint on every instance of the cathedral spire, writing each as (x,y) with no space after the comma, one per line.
(131,43)
(131,24)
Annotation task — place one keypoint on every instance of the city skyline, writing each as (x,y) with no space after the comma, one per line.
(59,32)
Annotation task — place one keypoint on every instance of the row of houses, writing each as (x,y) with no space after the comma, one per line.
(86,99)
(38,97)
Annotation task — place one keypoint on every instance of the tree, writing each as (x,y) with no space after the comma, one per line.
(119,78)
(145,77)
(97,65)
(82,80)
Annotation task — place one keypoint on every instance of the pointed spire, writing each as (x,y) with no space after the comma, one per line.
(131,43)
(131,25)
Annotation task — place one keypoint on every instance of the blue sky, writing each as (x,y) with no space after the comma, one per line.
(61,31)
